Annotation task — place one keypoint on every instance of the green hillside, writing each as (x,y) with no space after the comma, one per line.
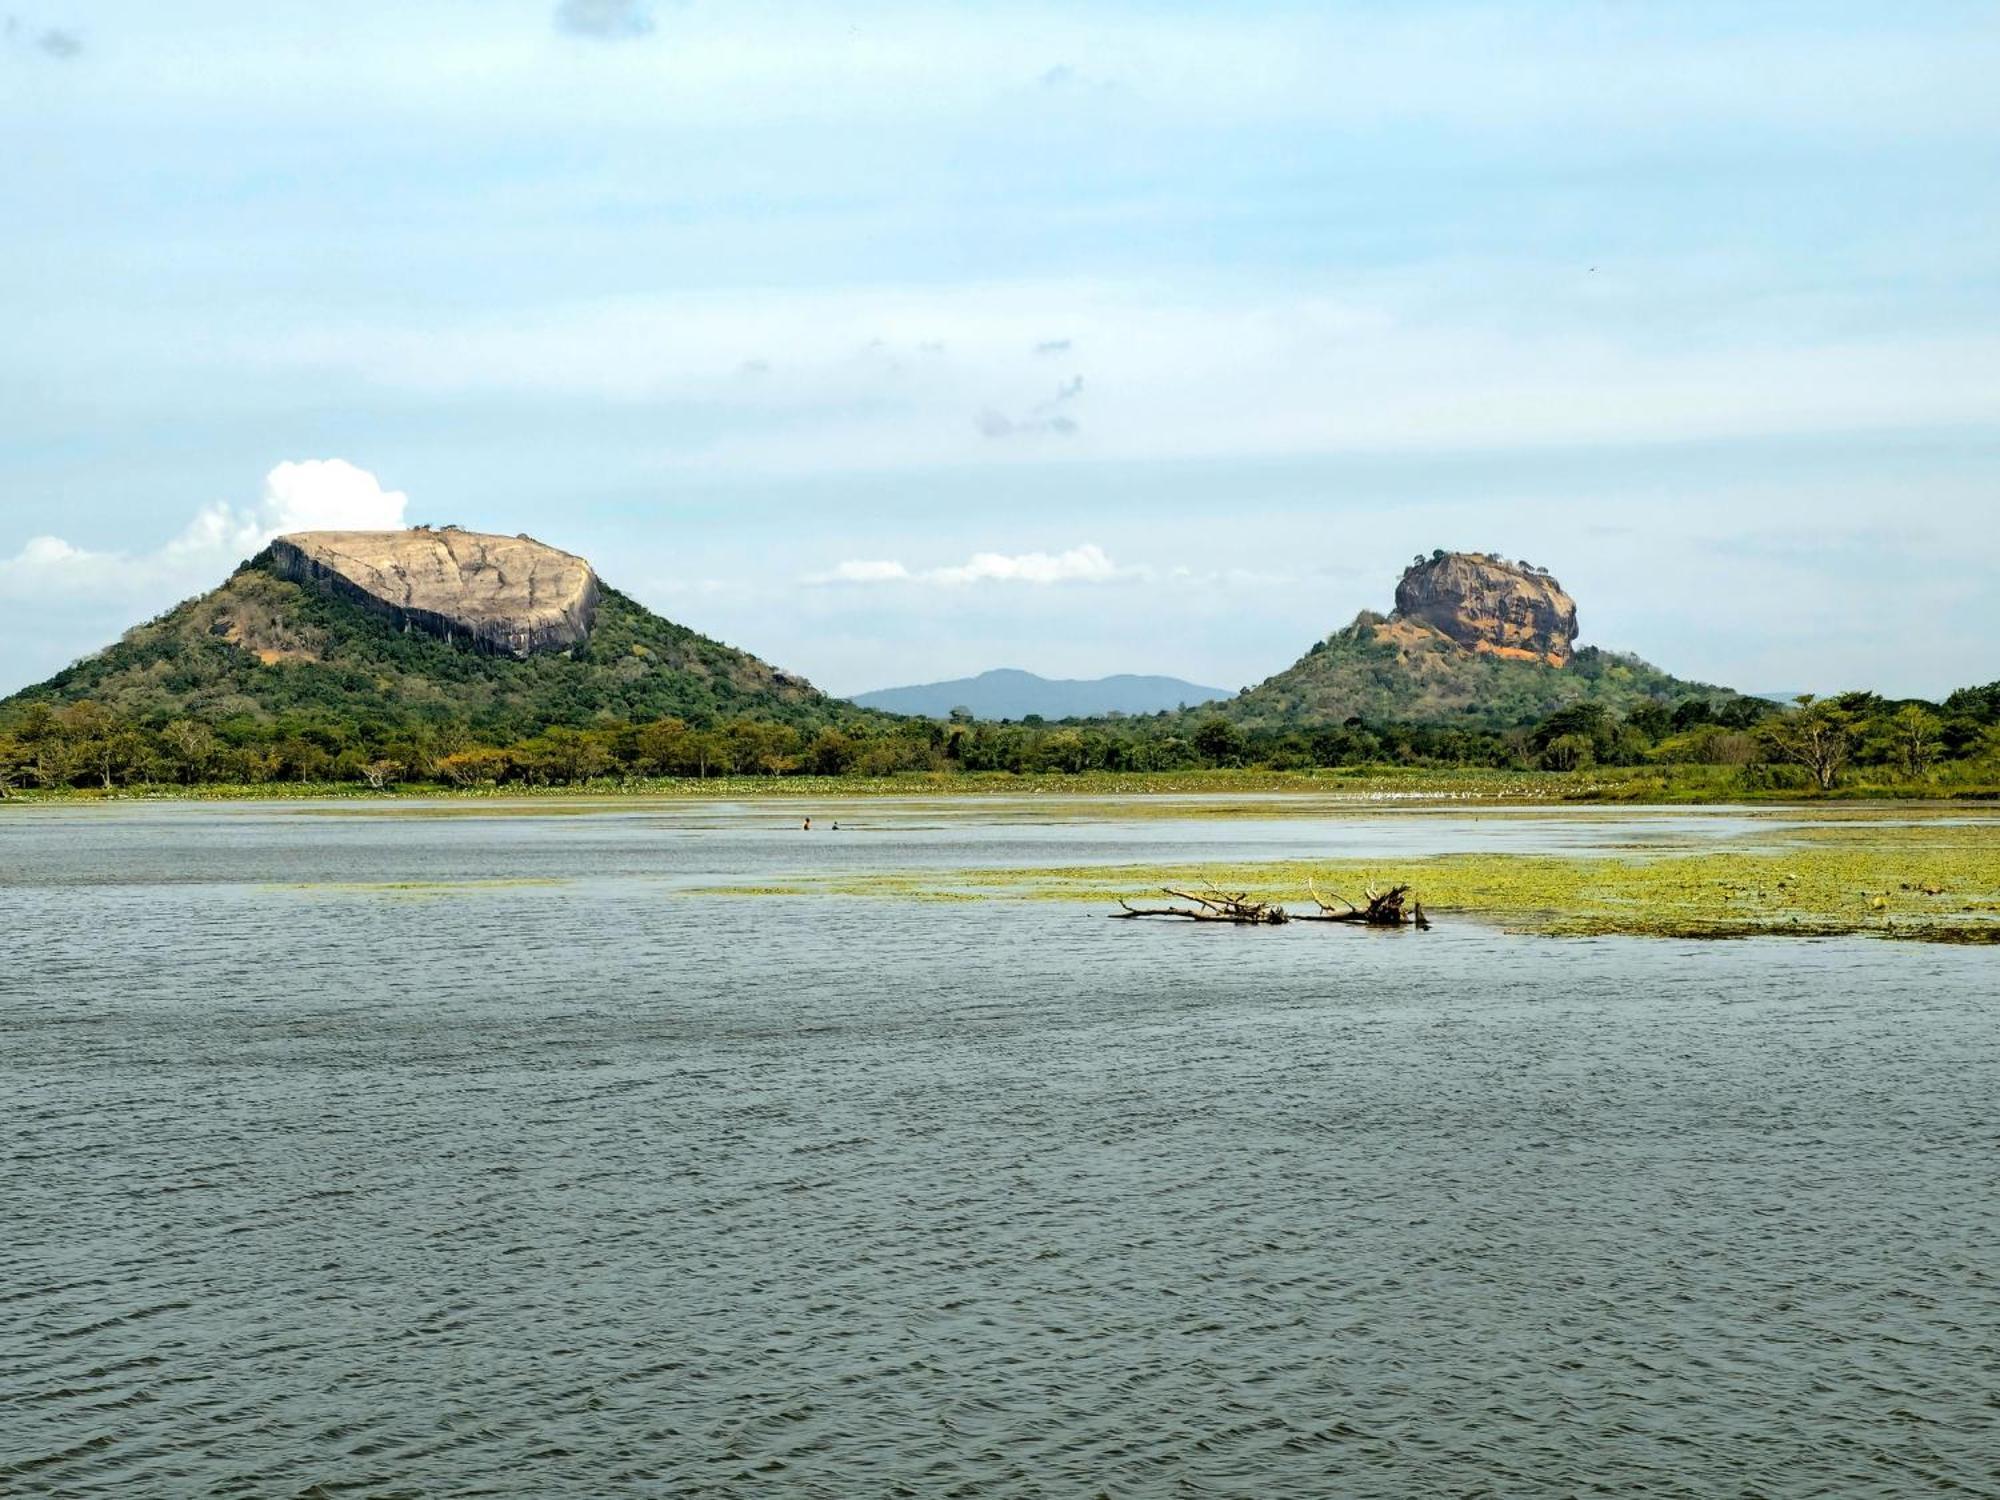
(1399,672)
(261,649)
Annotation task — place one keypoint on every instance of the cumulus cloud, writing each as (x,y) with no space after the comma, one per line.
(314,494)
(1086,564)
(609,20)
(330,494)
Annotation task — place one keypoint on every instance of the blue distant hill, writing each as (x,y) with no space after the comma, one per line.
(1007,693)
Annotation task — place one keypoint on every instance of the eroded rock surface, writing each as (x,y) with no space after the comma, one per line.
(509,595)
(1490,604)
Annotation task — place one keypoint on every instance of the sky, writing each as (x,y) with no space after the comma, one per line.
(901,341)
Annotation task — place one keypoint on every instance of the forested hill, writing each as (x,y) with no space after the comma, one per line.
(264,648)
(1400,671)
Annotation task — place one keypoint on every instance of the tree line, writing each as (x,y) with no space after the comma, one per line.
(1811,743)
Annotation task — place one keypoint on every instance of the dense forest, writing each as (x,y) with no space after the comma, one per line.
(1813,744)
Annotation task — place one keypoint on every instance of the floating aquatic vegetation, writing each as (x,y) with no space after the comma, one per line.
(1935,880)
(422,887)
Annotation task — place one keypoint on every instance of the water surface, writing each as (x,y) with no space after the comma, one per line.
(328,1171)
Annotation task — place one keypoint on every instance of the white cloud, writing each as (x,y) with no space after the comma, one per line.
(1086,564)
(864,572)
(314,494)
(329,494)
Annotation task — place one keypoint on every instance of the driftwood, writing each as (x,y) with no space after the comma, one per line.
(1383,909)
(1217,906)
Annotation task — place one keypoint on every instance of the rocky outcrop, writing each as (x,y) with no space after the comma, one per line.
(1489,604)
(509,595)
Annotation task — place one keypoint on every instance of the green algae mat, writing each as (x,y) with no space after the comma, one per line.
(1927,880)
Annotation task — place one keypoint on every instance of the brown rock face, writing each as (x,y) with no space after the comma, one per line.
(509,595)
(1489,604)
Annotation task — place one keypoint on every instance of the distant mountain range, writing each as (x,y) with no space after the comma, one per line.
(1008,693)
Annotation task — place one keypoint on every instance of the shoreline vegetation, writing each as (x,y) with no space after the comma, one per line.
(1669,785)
(1738,749)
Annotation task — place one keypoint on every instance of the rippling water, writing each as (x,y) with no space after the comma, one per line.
(598,1187)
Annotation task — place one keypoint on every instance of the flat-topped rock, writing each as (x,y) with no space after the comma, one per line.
(1492,605)
(506,594)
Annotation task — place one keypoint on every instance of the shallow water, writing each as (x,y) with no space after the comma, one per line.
(686,842)
(596,1187)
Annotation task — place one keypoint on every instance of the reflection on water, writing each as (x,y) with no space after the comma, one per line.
(588,1188)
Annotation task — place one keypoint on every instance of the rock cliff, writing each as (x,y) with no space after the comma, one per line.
(1490,605)
(511,596)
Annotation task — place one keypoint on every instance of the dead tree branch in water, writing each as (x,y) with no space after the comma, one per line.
(1384,909)
(1218,906)
(1391,908)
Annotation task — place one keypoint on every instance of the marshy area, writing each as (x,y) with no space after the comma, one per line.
(1918,872)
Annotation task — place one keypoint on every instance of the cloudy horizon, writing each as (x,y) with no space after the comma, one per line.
(1114,337)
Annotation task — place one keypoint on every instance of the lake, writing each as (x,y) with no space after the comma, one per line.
(473,1150)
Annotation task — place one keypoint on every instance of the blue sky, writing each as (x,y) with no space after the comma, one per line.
(901,341)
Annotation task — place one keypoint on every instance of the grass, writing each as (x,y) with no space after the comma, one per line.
(1926,881)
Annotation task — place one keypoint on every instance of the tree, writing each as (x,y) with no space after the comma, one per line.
(1690,712)
(302,760)
(1979,704)
(1591,721)
(711,754)
(190,748)
(1913,738)
(1818,734)
(1650,719)
(1567,752)
(1219,742)
(830,752)
(1065,750)
(426,746)
(58,760)
(562,757)
(762,748)
(13,757)
(663,748)
(475,767)
(88,733)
